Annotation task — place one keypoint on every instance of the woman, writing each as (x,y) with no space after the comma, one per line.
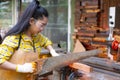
(26,37)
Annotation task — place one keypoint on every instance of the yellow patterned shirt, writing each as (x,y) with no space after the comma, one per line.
(10,44)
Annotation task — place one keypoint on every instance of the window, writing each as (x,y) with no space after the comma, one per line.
(57,27)
(5,13)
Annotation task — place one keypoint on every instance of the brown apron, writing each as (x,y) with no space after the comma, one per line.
(19,57)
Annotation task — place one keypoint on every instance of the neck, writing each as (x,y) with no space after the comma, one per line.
(28,33)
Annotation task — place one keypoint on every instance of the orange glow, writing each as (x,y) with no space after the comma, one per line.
(44,56)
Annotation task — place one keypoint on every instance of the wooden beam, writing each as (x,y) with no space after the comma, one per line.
(103,63)
(106,72)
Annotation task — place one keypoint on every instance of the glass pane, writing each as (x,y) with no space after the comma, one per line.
(5,13)
(57,26)
(25,4)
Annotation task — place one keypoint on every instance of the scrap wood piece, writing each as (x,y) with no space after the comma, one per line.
(85,38)
(85,34)
(78,47)
(80,66)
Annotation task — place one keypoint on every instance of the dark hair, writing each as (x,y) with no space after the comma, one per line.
(0,39)
(33,10)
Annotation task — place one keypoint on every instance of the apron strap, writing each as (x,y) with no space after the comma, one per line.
(19,42)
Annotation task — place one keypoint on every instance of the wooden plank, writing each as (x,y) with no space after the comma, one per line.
(101,35)
(85,34)
(90,15)
(87,31)
(102,63)
(100,39)
(80,66)
(89,7)
(92,11)
(78,47)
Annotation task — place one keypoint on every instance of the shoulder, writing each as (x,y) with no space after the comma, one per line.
(11,40)
(40,36)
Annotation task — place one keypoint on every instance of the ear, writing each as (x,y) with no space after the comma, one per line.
(32,21)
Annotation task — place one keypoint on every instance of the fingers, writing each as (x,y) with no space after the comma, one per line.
(53,53)
(34,66)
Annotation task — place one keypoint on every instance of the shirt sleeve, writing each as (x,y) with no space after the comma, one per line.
(44,41)
(7,48)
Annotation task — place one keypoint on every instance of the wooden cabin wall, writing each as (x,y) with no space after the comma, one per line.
(91,23)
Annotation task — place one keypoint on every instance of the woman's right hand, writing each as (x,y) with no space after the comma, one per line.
(26,68)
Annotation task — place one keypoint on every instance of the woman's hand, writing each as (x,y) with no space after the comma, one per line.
(53,53)
(26,68)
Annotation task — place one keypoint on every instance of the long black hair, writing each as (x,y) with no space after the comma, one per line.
(33,10)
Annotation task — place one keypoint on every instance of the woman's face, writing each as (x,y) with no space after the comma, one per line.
(38,25)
